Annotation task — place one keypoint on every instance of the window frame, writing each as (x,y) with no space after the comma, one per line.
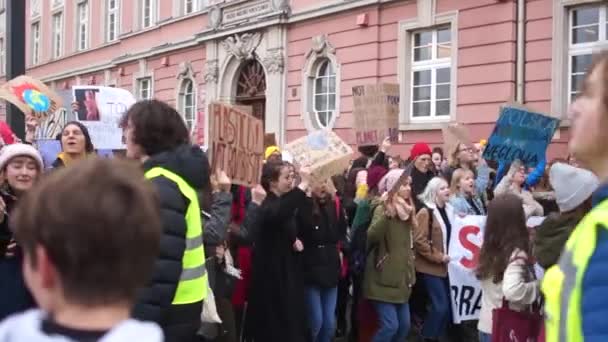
(432,65)
(35,36)
(117,17)
(57,35)
(182,96)
(320,63)
(140,88)
(428,20)
(153,17)
(80,22)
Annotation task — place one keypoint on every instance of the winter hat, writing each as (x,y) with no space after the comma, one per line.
(420,149)
(9,152)
(270,150)
(572,185)
(6,133)
(388,182)
(374,175)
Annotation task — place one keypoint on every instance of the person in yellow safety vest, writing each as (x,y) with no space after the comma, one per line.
(156,135)
(576,289)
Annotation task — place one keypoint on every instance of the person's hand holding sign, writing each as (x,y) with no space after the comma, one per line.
(223,181)
(31,123)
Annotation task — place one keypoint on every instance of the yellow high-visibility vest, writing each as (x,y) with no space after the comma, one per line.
(562,284)
(192,286)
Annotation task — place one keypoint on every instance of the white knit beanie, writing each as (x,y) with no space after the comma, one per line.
(11,151)
(572,185)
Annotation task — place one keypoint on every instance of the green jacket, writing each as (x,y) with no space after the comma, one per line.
(393,282)
(551,237)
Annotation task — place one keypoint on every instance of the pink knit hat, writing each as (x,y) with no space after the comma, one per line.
(11,151)
(388,182)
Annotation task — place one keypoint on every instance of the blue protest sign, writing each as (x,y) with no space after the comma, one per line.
(520,134)
(49,149)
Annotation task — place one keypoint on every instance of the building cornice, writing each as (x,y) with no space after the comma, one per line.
(207,34)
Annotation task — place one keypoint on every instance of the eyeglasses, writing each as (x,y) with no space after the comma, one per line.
(467,149)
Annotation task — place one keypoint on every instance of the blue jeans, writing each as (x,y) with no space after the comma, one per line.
(394,322)
(483,337)
(322,312)
(437,317)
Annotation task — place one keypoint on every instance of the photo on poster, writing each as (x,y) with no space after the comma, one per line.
(85,104)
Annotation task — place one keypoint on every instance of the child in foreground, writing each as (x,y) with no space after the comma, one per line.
(90,234)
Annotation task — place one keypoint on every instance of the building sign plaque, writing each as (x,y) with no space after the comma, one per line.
(246,11)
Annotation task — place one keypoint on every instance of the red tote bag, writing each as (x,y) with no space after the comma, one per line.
(515,326)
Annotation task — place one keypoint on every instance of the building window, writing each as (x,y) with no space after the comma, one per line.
(431,73)
(144,88)
(324,100)
(57,3)
(112,20)
(148,13)
(57,34)
(187,102)
(35,43)
(2,57)
(587,33)
(83,26)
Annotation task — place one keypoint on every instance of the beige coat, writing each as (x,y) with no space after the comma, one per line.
(430,253)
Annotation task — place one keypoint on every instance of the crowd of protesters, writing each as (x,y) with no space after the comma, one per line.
(163,248)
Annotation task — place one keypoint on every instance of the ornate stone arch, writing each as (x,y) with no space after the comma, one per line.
(322,50)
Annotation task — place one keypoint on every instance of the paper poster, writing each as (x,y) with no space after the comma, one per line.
(520,134)
(323,151)
(52,125)
(49,149)
(465,246)
(31,96)
(236,143)
(376,113)
(100,110)
(453,135)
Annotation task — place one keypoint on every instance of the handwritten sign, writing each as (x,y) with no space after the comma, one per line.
(236,143)
(520,134)
(323,151)
(31,96)
(100,110)
(376,113)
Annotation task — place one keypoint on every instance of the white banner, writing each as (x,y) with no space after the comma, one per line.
(100,110)
(465,244)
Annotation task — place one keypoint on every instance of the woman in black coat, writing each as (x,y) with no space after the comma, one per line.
(275,310)
(321,227)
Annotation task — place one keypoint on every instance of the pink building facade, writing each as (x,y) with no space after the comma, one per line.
(296,61)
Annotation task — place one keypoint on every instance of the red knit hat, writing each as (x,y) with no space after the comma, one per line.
(420,149)
(6,133)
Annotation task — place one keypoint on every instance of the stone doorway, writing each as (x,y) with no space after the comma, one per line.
(251,88)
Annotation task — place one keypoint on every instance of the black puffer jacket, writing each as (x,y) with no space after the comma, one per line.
(154,301)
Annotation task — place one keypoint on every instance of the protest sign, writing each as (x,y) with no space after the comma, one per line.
(31,96)
(453,135)
(520,134)
(236,143)
(100,110)
(51,125)
(49,149)
(376,113)
(323,151)
(464,248)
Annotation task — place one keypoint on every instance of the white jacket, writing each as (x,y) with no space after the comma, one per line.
(26,327)
(514,288)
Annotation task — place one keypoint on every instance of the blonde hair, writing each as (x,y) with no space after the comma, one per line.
(429,195)
(457,176)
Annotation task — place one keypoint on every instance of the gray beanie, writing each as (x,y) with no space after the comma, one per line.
(572,185)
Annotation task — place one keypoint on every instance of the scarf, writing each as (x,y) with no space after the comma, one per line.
(397,206)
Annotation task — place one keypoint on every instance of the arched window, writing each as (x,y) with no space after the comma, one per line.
(324,101)
(187,103)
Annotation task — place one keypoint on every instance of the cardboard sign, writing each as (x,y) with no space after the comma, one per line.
(100,110)
(236,143)
(376,113)
(31,96)
(465,246)
(52,125)
(323,151)
(520,134)
(454,135)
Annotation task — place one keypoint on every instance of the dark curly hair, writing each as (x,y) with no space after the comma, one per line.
(506,231)
(157,126)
